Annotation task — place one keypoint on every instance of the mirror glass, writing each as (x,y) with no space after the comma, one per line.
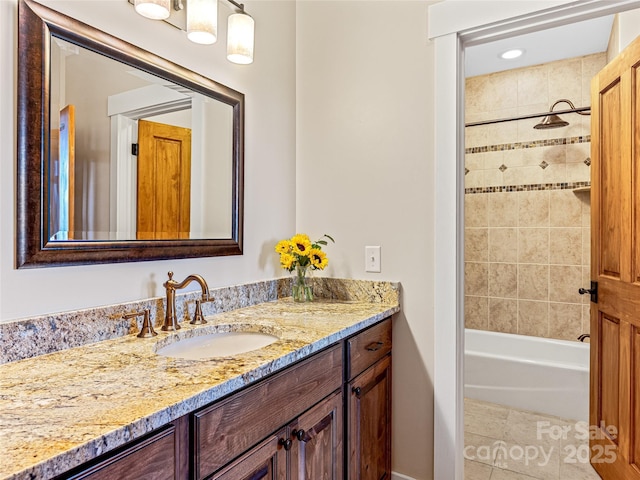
(122,155)
(108,182)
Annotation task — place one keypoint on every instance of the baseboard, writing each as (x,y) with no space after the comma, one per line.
(399,476)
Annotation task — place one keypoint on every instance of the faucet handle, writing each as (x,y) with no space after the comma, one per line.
(198,318)
(147,330)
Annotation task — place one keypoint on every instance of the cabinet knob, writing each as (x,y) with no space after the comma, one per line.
(299,434)
(374,347)
(357,391)
(285,443)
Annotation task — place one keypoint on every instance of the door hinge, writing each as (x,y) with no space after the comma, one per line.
(593,291)
(134,149)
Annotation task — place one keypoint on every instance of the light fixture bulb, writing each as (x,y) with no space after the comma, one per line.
(153,9)
(202,21)
(512,54)
(240,37)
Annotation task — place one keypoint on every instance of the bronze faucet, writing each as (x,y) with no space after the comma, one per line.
(170,320)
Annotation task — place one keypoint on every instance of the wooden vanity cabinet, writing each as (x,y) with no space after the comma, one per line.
(369,404)
(233,426)
(324,417)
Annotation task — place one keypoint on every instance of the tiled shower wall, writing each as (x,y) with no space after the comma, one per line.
(526,228)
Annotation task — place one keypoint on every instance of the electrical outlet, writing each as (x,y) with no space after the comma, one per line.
(372,259)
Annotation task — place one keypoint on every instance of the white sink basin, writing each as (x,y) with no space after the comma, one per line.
(221,344)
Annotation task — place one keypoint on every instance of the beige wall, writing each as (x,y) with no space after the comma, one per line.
(269,86)
(365,176)
(626,27)
(526,230)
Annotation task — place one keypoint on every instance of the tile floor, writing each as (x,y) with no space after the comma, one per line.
(503,443)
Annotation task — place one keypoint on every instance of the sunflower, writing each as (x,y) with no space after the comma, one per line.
(301,244)
(318,258)
(287,261)
(283,246)
(300,251)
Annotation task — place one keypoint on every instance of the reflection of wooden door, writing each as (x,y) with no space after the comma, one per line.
(67,150)
(62,153)
(615,318)
(164,181)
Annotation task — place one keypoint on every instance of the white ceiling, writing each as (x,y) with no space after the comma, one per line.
(568,41)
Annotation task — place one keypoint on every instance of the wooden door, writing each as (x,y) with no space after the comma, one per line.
(266,461)
(370,423)
(164,181)
(615,265)
(317,451)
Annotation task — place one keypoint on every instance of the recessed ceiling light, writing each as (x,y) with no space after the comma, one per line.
(511,54)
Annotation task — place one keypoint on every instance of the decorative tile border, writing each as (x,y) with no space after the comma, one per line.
(533,144)
(528,188)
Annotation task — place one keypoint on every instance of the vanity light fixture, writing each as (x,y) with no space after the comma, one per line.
(202,24)
(240,32)
(153,9)
(202,21)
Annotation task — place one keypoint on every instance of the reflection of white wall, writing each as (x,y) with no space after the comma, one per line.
(89,80)
(216,178)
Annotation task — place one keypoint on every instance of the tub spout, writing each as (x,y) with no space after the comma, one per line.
(583,337)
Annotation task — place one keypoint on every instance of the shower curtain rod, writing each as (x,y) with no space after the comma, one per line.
(524,117)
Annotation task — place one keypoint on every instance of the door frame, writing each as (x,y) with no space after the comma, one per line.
(454,24)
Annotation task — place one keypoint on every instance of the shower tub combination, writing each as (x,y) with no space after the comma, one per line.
(530,373)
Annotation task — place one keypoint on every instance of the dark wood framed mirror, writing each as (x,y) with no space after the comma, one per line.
(93,185)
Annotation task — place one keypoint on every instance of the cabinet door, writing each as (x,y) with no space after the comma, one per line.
(370,423)
(317,451)
(266,461)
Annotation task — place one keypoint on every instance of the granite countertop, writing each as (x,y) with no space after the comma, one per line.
(62,409)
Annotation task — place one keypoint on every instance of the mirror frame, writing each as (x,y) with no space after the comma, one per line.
(36,24)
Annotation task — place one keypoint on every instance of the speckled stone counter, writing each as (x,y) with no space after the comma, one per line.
(62,409)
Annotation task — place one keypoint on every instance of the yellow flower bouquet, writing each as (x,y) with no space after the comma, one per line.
(299,253)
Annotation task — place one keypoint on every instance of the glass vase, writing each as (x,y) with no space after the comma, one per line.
(301,291)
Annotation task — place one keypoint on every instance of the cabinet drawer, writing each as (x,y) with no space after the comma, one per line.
(368,347)
(230,427)
(152,458)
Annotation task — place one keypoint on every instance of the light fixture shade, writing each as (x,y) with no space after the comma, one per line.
(202,21)
(153,9)
(240,36)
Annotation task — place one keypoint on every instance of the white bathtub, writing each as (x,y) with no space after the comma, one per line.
(531,373)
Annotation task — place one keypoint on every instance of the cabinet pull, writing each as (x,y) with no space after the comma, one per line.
(372,347)
(299,434)
(285,443)
(357,391)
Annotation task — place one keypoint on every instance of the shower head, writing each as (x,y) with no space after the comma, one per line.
(551,121)
(554,121)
